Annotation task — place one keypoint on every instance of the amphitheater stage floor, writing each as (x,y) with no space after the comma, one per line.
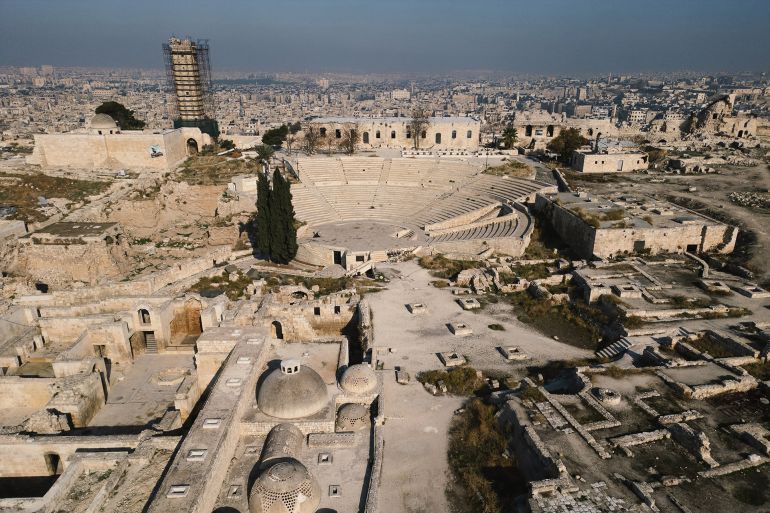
(366,235)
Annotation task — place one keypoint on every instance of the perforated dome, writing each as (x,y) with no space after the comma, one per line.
(292,392)
(286,487)
(352,417)
(103,121)
(359,379)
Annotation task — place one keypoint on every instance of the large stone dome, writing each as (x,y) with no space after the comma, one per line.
(359,379)
(103,121)
(286,487)
(292,392)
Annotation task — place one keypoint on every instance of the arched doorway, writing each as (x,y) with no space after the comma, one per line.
(192,146)
(186,325)
(53,464)
(144,316)
(366,137)
(438,137)
(277,330)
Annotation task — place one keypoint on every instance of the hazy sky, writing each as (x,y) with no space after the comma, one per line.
(538,36)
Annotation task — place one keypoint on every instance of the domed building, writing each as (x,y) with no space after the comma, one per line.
(352,417)
(292,392)
(359,379)
(102,124)
(286,487)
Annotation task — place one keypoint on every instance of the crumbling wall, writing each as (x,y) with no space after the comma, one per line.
(59,264)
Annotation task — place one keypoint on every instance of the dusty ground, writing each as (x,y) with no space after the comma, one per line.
(416,423)
(713,191)
(136,397)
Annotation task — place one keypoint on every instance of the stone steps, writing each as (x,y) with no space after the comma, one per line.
(613,350)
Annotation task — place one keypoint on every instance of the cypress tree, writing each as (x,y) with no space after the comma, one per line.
(291,229)
(278,249)
(262,220)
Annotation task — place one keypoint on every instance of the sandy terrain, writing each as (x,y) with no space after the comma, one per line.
(415,463)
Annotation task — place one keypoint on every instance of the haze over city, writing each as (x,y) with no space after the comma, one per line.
(344,256)
(549,37)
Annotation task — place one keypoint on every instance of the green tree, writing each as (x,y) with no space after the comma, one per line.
(264,152)
(226,144)
(509,136)
(275,136)
(566,142)
(283,233)
(262,218)
(277,235)
(123,116)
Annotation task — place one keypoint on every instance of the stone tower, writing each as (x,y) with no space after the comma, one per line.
(189,78)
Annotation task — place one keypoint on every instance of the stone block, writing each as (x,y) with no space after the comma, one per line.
(451,359)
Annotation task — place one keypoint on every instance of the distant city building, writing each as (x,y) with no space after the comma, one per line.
(456,133)
(189,76)
(401,94)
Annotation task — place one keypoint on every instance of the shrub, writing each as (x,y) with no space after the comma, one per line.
(458,381)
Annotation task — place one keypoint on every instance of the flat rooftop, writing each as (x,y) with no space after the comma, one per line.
(629,211)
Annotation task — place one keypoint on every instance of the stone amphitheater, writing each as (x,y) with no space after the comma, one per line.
(362,210)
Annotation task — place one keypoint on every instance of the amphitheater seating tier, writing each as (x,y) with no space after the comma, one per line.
(415,192)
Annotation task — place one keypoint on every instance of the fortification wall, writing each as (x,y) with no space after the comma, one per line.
(114,151)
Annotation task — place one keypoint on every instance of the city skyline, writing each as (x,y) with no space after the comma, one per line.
(339,36)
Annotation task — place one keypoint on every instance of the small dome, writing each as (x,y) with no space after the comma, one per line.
(359,379)
(286,487)
(103,121)
(352,417)
(292,392)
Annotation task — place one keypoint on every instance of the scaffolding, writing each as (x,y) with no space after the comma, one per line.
(188,73)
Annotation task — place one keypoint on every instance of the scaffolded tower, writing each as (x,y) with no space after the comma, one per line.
(189,76)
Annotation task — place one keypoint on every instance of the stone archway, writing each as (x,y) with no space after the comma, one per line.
(186,325)
(192,146)
(277,330)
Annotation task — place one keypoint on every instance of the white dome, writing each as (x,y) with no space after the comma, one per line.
(359,379)
(286,487)
(103,121)
(292,392)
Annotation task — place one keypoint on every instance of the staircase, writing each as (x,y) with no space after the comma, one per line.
(613,350)
(150,343)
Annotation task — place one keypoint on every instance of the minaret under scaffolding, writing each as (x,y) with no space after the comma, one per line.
(189,77)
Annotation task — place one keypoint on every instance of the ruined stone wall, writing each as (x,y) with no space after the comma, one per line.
(60,264)
(588,241)
(615,241)
(609,163)
(18,392)
(25,455)
(570,228)
(176,203)
(80,396)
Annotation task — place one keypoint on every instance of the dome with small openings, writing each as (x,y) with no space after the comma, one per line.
(352,417)
(286,487)
(359,379)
